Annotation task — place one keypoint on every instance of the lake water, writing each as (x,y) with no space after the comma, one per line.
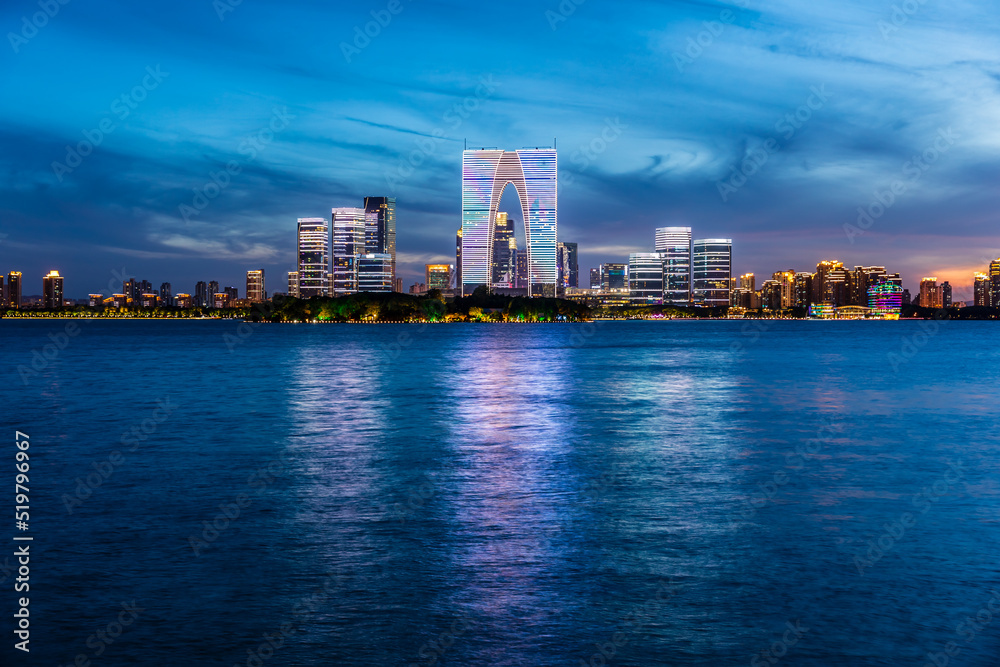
(628,493)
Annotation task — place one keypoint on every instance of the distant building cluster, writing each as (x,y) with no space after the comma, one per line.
(986,290)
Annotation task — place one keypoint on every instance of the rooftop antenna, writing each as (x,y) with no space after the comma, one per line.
(554,144)
(466,143)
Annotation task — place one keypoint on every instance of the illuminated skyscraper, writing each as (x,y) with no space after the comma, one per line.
(645,278)
(595,279)
(52,290)
(213,289)
(380,228)
(803,289)
(349,241)
(995,283)
(375,272)
(981,290)
(674,243)
(255,286)
(787,281)
(712,262)
(314,256)
(166,294)
(573,264)
(14,289)
(862,278)
(930,293)
(485,176)
(293,284)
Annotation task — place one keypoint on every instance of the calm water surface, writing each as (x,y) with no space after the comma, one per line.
(671,493)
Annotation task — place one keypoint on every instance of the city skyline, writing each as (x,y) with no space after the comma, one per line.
(840,118)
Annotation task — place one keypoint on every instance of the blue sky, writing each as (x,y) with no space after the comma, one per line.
(654,105)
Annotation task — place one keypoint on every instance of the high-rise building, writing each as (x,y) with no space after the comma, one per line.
(132,290)
(166,294)
(293,284)
(438,276)
(595,279)
(930,293)
(821,286)
(521,268)
(375,272)
(255,286)
(981,290)
(458,262)
(501,271)
(712,262)
(946,294)
(534,175)
(232,294)
(52,290)
(787,281)
(349,241)
(614,276)
(645,278)
(213,289)
(14,289)
(3,293)
(314,256)
(397,285)
(770,295)
(907,300)
(200,294)
(838,289)
(748,281)
(885,298)
(803,289)
(674,243)
(995,283)
(380,228)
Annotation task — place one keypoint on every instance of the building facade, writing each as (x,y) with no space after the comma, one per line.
(52,290)
(645,278)
(485,176)
(438,276)
(14,279)
(380,228)
(313,256)
(375,272)
(712,262)
(350,233)
(255,286)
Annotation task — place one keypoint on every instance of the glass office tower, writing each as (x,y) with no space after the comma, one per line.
(349,241)
(485,175)
(645,278)
(380,228)
(712,269)
(674,243)
(314,256)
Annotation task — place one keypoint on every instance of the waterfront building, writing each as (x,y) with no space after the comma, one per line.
(380,230)
(995,284)
(885,298)
(930,293)
(375,272)
(645,278)
(748,282)
(220,300)
(803,289)
(200,294)
(485,175)
(614,277)
(674,243)
(166,294)
(213,288)
(437,276)
(14,281)
(118,300)
(149,299)
(183,300)
(946,294)
(712,261)
(349,242)
(313,256)
(770,295)
(52,290)
(862,278)
(255,286)
(981,290)
(95,300)
(293,284)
